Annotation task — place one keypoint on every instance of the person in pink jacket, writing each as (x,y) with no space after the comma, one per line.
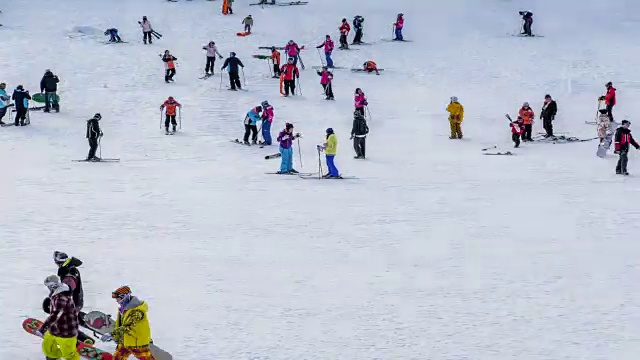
(293,51)
(360,101)
(328,49)
(398,25)
(267,120)
(325,80)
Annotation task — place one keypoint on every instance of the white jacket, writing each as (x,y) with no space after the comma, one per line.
(146,26)
(212,50)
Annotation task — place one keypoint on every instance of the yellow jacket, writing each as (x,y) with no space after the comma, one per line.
(456,112)
(132,328)
(331,146)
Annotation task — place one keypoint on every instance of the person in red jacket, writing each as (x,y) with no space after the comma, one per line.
(517,129)
(622,140)
(527,115)
(289,73)
(610,99)
(345,28)
(170,113)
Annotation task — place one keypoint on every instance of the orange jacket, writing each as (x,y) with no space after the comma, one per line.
(527,115)
(275,57)
(171,106)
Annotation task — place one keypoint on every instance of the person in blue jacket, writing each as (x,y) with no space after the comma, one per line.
(4,102)
(251,125)
(21,99)
(113,35)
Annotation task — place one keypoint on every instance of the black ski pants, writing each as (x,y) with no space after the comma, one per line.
(146,35)
(211,60)
(21,116)
(276,69)
(93,146)
(516,139)
(289,85)
(253,130)
(328,90)
(547,123)
(621,167)
(527,28)
(360,110)
(3,112)
(172,119)
(359,145)
(234,80)
(168,75)
(526,135)
(610,111)
(343,41)
(358,38)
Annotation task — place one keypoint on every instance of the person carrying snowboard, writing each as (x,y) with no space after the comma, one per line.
(232,63)
(357,25)
(4,101)
(131,331)
(275,59)
(370,66)
(171,106)
(285,138)
(360,101)
(146,30)
(359,132)
(290,73)
(548,114)
(93,135)
(267,120)
(398,26)
(517,129)
(527,21)
(21,99)
(622,140)
(328,49)
(251,125)
(528,115)
(293,51)
(344,28)
(326,77)
(609,99)
(212,51)
(49,86)
(169,66)
(248,24)
(59,331)
(330,148)
(456,116)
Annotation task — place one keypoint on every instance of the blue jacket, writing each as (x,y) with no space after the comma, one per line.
(4,99)
(21,98)
(252,117)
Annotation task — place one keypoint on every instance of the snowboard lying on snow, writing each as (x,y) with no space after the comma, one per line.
(39,98)
(86,351)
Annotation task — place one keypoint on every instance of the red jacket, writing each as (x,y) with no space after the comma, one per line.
(516,128)
(623,138)
(171,107)
(289,71)
(610,98)
(345,28)
(63,320)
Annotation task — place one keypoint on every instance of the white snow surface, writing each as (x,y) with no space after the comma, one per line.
(434,252)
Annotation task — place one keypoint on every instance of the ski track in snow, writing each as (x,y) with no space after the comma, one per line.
(434,252)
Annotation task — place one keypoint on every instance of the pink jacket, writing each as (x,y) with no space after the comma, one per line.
(360,101)
(267,114)
(399,23)
(325,78)
(328,45)
(292,49)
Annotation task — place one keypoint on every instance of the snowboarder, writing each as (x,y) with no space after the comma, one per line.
(248,24)
(622,140)
(131,331)
(344,28)
(370,66)
(49,86)
(113,35)
(212,51)
(232,63)
(290,73)
(527,21)
(146,30)
(275,59)
(330,148)
(170,113)
(4,101)
(169,65)
(517,129)
(267,120)
(548,114)
(328,49)
(359,132)
(357,25)
(293,51)
(93,135)
(360,101)
(528,115)
(326,77)
(456,116)
(60,330)
(398,26)
(251,125)
(21,99)
(285,138)
(70,275)
(609,99)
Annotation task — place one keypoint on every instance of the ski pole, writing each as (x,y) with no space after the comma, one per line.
(301,62)
(180,118)
(270,68)
(299,87)
(100,146)
(299,153)
(319,55)
(160,118)
(319,166)
(368,112)
(220,79)
(244,80)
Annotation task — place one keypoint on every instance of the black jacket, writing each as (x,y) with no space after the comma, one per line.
(93,129)
(360,127)
(549,110)
(49,82)
(69,270)
(18,98)
(357,22)
(623,138)
(232,63)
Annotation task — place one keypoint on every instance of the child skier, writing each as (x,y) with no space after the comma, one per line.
(328,49)
(370,66)
(267,120)
(285,138)
(60,330)
(359,132)
(170,113)
(398,26)
(146,30)
(622,140)
(251,125)
(93,135)
(360,101)
(527,21)
(293,51)
(357,26)
(456,116)
(610,99)
(326,77)
(21,99)
(344,28)
(169,65)
(4,101)
(233,64)
(113,35)
(275,59)
(330,148)
(517,129)
(527,114)
(212,51)
(290,73)
(248,24)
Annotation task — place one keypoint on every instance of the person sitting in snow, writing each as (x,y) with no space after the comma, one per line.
(370,66)
(113,35)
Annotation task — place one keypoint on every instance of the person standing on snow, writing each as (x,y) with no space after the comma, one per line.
(232,63)
(527,21)
(60,330)
(326,77)
(285,138)
(169,65)
(212,51)
(251,125)
(517,129)
(248,24)
(290,73)
(528,115)
(357,25)
(344,32)
(328,49)
(622,140)
(21,99)
(49,86)
(360,101)
(398,26)
(146,30)
(93,135)
(275,59)
(456,116)
(267,120)
(610,99)
(330,148)
(171,106)
(359,132)
(4,101)
(548,114)
(293,51)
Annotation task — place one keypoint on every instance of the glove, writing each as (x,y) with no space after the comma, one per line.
(351,138)
(106,337)
(365,103)
(601,98)
(298,135)
(220,56)
(319,147)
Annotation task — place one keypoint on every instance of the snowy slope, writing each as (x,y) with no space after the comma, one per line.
(434,252)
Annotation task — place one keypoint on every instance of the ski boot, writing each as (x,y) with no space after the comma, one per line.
(294,171)
(174,129)
(246,143)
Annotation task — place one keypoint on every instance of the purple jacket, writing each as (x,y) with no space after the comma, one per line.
(285,143)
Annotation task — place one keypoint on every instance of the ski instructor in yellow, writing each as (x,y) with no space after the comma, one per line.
(456,115)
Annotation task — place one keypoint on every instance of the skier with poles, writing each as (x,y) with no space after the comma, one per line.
(290,73)
(456,116)
(548,114)
(59,331)
(49,86)
(169,65)
(357,25)
(398,26)
(232,63)
(21,99)
(330,148)
(267,120)
(146,30)
(527,21)
(4,101)
(328,49)
(326,77)
(171,106)
(622,140)
(359,132)
(360,101)
(293,51)
(609,99)
(212,51)
(285,138)
(528,115)
(93,135)
(344,31)
(251,125)
(275,59)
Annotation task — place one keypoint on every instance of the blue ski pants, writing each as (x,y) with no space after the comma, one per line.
(329,60)
(399,34)
(286,164)
(266,132)
(333,170)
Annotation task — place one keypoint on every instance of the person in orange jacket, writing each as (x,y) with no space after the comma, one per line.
(170,113)
(527,115)
(290,73)
(275,58)
(169,65)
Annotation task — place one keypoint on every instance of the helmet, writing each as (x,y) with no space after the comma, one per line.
(288,126)
(609,84)
(290,59)
(212,42)
(290,41)
(454,99)
(232,54)
(265,103)
(144,18)
(328,36)
(329,131)
(526,104)
(97,116)
(59,257)
(273,48)
(20,87)
(170,98)
(343,20)
(626,122)
(401,14)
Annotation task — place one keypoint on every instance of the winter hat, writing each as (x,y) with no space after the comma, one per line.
(525,104)
(625,122)
(547,96)
(58,256)
(20,87)
(454,99)
(122,291)
(609,84)
(329,131)
(290,59)
(52,281)
(3,85)
(97,116)
(232,54)
(265,104)
(288,126)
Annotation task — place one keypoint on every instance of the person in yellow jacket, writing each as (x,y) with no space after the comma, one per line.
(330,148)
(132,331)
(456,115)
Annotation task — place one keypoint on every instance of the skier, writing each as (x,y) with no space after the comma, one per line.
(212,51)
(49,86)
(357,25)
(609,99)
(230,6)
(275,59)
(622,140)
(248,24)
(328,49)
(131,331)
(146,30)
(360,101)
(330,148)
(527,21)
(528,115)
(548,114)
(326,77)
(370,66)
(359,132)
(456,116)
(113,35)
(344,31)
(21,99)
(4,101)
(293,51)
(169,65)
(251,125)
(603,127)
(517,129)
(60,330)
(267,120)
(285,138)
(398,25)
(232,63)
(290,73)
(93,135)
(170,114)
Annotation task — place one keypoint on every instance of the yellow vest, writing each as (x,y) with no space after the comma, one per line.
(140,334)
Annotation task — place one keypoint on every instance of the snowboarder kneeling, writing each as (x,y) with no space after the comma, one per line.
(60,330)
(456,115)
(370,67)
(330,148)
(527,21)
(517,129)
(113,35)
(623,138)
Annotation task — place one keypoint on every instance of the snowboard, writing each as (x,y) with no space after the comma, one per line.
(294,3)
(243,33)
(604,146)
(40,98)
(86,351)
